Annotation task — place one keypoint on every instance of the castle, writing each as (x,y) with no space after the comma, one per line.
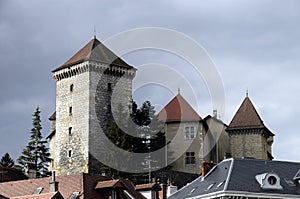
(94,78)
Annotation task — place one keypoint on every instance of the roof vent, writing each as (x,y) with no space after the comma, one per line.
(268,181)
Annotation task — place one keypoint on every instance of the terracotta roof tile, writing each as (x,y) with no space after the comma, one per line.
(178,109)
(246,116)
(94,51)
(145,186)
(53,195)
(67,185)
(107,184)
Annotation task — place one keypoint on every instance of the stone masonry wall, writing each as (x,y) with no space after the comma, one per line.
(75,143)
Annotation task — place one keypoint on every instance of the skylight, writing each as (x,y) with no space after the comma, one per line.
(210,186)
(74,195)
(193,190)
(220,184)
(38,190)
(290,182)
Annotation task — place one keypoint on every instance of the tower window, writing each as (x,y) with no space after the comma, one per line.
(190,158)
(71,87)
(70,153)
(70,111)
(70,130)
(109,87)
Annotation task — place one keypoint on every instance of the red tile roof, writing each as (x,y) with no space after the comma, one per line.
(83,183)
(94,51)
(107,184)
(246,116)
(177,110)
(53,195)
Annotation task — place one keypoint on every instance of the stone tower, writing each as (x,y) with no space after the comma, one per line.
(85,85)
(249,137)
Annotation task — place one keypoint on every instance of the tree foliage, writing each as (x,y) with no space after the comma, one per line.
(137,132)
(7,161)
(36,153)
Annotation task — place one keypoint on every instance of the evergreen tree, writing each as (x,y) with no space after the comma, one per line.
(36,153)
(7,161)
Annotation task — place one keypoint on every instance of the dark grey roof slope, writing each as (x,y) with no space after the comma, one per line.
(239,176)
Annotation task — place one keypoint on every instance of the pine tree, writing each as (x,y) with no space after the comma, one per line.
(36,152)
(7,161)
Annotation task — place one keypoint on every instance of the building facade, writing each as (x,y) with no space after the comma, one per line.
(85,85)
(94,82)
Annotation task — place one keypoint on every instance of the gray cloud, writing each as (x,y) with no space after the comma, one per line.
(255,44)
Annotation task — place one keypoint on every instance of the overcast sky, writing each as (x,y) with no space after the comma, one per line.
(254,44)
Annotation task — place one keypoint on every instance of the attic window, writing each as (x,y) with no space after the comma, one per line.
(74,195)
(38,190)
(269,181)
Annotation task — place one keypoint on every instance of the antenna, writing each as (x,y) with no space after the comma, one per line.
(247,92)
(94,31)
(178,90)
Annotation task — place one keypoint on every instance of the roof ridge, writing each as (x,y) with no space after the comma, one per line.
(229,174)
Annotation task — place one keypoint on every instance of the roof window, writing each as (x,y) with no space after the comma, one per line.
(38,190)
(74,195)
(268,180)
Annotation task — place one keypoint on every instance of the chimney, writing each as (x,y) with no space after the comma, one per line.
(163,192)
(30,170)
(171,189)
(215,113)
(53,185)
(206,167)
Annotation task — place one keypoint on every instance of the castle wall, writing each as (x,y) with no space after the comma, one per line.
(248,145)
(74,144)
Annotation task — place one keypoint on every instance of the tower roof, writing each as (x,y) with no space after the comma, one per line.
(246,116)
(94,51)
(178,109)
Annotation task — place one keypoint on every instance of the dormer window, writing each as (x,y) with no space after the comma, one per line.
(268,181)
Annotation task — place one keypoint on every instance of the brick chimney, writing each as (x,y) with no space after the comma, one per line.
(53,185)
(206,167)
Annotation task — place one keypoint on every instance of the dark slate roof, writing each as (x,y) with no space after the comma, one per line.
(177,110)
(53,116)
(238,176)
(95,51)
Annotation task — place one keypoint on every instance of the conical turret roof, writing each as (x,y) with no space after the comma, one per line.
(95,51)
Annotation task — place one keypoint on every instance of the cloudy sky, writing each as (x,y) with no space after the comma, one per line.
(254,44)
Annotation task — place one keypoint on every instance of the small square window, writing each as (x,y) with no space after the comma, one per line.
(190,158)
(71,87)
